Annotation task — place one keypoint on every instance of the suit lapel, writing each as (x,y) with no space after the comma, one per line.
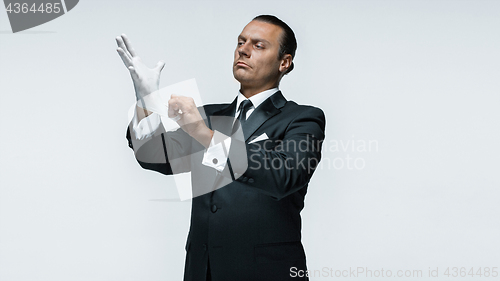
(264,112)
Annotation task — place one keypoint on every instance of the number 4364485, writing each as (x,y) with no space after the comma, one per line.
(465,272)
(42,8)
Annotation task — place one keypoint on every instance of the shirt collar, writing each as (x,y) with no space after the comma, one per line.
(255,99)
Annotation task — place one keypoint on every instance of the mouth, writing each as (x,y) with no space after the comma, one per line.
(240,63)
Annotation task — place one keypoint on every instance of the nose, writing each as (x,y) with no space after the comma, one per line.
(243,50)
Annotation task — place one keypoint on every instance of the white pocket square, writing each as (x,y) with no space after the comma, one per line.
(260,138)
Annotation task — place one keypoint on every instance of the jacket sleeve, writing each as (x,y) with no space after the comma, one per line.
(165,152)
(279,167)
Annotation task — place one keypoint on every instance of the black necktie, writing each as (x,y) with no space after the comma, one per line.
(244,107)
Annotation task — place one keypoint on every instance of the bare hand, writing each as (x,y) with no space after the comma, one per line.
(146,80)
(190,118)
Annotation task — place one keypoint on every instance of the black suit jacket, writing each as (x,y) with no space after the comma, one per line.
(249,227)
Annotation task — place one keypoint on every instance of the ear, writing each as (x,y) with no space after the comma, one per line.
(286,62)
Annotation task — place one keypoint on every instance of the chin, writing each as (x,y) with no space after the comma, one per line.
(238,75)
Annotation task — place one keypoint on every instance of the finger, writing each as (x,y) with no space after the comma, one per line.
(173,102)
(159,66)
(132,72)
(119,42)
(181,102)
(129,45)
(173,109)
(176,103)
(126,60)
(172,113)
(185,104)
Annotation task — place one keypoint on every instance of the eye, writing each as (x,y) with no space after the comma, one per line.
(259,46)
(240,43)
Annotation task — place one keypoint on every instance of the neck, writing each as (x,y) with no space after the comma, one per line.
(249,91)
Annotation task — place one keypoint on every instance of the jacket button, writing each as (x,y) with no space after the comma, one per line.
(214,208)
(250,180)
(244,178)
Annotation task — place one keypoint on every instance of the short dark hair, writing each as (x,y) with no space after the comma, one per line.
(288,43)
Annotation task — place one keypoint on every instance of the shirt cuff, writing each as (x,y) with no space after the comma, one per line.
(216,154)
(146,127)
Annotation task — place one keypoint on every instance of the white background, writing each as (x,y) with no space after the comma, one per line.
(419,78)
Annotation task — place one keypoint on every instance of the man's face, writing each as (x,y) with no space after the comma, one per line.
(256,62)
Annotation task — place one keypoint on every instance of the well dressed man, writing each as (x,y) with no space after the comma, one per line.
(249,175)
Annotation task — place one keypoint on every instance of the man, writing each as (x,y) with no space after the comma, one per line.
(245,219)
